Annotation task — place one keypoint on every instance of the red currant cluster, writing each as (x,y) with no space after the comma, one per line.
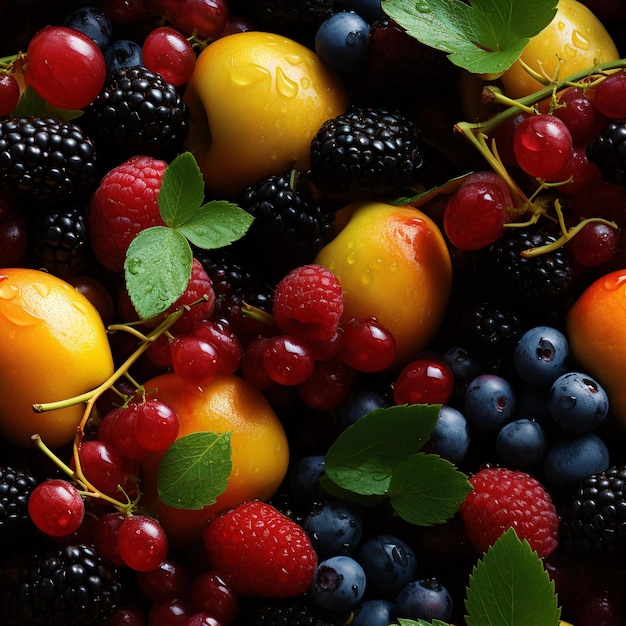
(546,146)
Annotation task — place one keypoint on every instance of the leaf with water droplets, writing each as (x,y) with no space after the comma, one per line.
(194,470)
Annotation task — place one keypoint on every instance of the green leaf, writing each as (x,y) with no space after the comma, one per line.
(364,455)
(157,269)
(426,489)
(31,104)
(420,622)
(182,190)
(510,587)
(216,224)
(482,36)
(335,491)
(194,470)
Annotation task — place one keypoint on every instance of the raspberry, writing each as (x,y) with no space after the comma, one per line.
(308,303)
(504,498)
(124,204)
(261,551)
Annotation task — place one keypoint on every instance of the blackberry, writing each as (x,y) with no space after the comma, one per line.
(42,157)
(60,240)
(15,489)
(69,585)
(608,152)
(290,227)
(375,151)
(594,520)
(284,612)
(137,112)
(525,283)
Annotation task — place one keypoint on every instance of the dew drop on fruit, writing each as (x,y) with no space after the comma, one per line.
(580,41)
(615,283)
(42,289)
(250,74)
(285,85)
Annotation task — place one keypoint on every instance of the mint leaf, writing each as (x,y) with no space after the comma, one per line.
(364,455)
(484,36)
(510,587)
(194,470)
(182,190)
(216,224)
(157,269)
(335,491)
(426,489)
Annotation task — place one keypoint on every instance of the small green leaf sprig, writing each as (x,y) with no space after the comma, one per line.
(158,261)
(379,457)
(508,587)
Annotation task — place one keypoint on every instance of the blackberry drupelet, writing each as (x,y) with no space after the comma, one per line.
(608,152)
(69,585)
(522,283)
(375,151)
(60,241)
(42,157)
(284,612)
(15,489)
(137,112)
(594,520)
(290,226)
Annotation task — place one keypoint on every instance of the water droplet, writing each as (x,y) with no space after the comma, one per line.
(294,59)
(423,7)
(43,289)
(351,258)
(80,307)
(7,291)
(567,402)
(366,278)
(580,41)
(305,82)
(614,283)
(285,85)
(249,74)
(560,25)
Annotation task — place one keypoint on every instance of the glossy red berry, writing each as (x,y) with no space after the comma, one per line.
(367,346)
(424,381)
(55,506)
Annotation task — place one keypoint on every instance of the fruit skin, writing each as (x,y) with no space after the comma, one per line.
(575,36)
(501,499)
(260,451)
(254,111)
(596,329)
(260,551)
(54,347)
(393,264)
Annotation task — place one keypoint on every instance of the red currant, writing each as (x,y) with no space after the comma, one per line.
(367,346)
(328,385)
(56,507)
(9,93)
(106,537)
(142,543)
(123,434)
(167,52)
(287,360)
(195,360)
(610,95)
(210,593)
(168,613)
(424,381)
(206,17)
(156,425)
(168,581)
(595,244)
(102,466)
(225,342)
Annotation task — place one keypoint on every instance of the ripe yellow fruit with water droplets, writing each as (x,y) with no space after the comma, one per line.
(574,40)
(54,346)
(256,100)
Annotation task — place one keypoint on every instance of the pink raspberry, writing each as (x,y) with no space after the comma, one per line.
(308,303)
(501,499)
(124,204)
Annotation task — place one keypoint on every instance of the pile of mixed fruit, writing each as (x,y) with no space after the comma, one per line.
(313,313)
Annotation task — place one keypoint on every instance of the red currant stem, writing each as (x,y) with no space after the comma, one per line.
(257,314)
(493,94)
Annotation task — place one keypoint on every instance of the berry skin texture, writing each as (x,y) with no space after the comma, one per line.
(260,551)
(124,204)
(308,303)
(501,499)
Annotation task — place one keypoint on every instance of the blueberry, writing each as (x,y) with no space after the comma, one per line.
(338,584)
(369,10)
(489,402)
(451,437)
(122,53)
(92,22)
(334,527)
(425,599)
(305,477)
(571,460)
(521,444)
(356,405)
(541,355)
(389,564)
(342,41)
(463,364)
(375,612)
(577,402)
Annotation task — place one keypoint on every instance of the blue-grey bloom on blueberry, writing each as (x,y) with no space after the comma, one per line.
(571,460)
(389,564)
(305,477)
(521,444)
(357,404)
(122,53)
(334,527)
(92,22)
(451,437)
(338,584)
(489,402)
(541,355)
(342,41)
(375,612)
(577,402)
(425,599)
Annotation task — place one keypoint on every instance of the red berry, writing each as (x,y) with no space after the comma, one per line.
(367,346)
(9,93)
(287,360)
(167,52)
(260,551)
(155,425)
(56,507)
(308,303)
(142,542)
(168,581)
(424,381)
(210,593)
(501,499)
(328,385)
(195,360)
(124,204)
